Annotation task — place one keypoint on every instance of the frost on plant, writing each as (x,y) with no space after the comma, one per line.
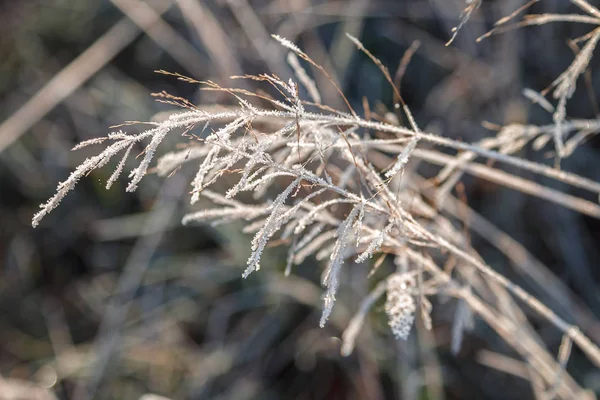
(330,184)
(400,304)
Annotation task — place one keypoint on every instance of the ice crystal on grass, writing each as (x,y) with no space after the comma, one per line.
(375,244)
(270,227)
(323,183)
(403,157)
(400,304)
(331,274)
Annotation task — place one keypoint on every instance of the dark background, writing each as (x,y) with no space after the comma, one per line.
(110,293)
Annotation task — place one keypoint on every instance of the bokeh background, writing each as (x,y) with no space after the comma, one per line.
(110,298)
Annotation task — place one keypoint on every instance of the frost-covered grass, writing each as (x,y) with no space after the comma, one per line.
(332,184)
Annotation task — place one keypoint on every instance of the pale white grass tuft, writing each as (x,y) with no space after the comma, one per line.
(400,304)
(332,273)
(375,244)
(402,158)
(270,227)
(330,175)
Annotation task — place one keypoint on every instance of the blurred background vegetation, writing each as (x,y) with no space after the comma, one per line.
(111,298)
